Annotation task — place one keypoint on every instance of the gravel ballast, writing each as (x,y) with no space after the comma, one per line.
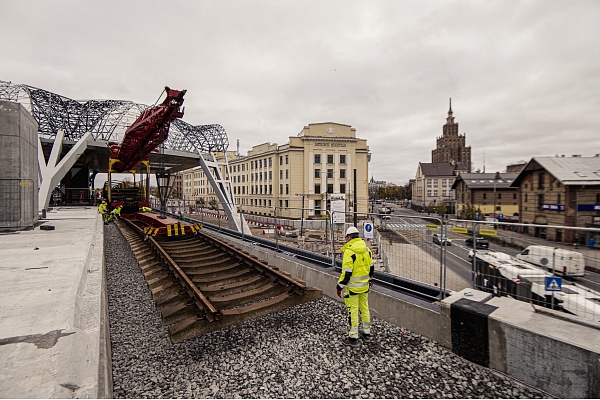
(295,353)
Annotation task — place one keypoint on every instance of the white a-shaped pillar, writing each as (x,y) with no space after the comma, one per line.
(52,172)
(223,190)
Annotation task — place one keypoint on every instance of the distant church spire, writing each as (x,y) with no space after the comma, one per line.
(450,111)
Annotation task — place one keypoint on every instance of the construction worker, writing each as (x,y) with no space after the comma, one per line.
(357,271)
(116,212)
(103,209)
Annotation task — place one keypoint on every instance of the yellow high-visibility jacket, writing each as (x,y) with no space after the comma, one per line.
(357,267)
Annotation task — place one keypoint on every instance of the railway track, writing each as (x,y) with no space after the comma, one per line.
(201,284)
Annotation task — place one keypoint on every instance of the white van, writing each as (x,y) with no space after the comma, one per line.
(566,262)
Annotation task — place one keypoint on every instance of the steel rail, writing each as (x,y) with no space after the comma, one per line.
(210,311)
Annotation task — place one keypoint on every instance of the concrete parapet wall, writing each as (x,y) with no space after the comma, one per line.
(557,356)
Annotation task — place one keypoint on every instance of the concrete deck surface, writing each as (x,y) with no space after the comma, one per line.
(54,339)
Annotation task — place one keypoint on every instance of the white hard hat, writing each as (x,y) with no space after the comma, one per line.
(351,230)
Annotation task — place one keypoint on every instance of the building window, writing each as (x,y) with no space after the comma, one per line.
(428,182)
(270,164)
(485,195)
(280,203)
(287,159)
(330,188)
(329,158)
(287,204)
(540,201)
(318,206)
(287,174)
(435,193)
(317,159)
(429,193)
(558,199)
(329,173)
(443,183)
(435,183)
(526,198)
(287,188)
(499,195)
(342,188)
(281,189)
(514,196)
(280,174)
(342,159)
(317,173)
(541,177)
(260,163)
(444,193)
(270,175)
(317,188)
(342,173)
(280,160)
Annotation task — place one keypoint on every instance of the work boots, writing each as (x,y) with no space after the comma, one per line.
(366,338)
(348,341)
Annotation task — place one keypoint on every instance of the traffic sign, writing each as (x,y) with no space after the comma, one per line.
(488,232)
(368,230)
(500,216)
(553,284)
(460,230)
(431,227)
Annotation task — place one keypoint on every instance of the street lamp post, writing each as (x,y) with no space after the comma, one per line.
(495,180)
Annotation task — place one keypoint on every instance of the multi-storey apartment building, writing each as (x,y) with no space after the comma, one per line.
(324,159)
(489,192)
(433,185)
(558,191)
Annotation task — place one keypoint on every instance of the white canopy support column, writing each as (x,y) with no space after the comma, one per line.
(224,192)
(52,172)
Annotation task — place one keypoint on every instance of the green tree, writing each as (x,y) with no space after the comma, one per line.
(469,212)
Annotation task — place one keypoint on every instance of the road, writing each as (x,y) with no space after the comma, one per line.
(457,258)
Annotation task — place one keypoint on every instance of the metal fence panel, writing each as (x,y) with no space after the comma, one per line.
(17,203)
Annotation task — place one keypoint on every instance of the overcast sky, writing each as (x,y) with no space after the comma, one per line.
(524,76)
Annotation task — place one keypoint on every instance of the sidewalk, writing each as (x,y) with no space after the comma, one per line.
(54,338)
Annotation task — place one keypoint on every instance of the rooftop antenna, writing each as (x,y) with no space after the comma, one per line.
(238,147)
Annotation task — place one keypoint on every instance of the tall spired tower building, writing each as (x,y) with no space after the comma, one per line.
(451,146)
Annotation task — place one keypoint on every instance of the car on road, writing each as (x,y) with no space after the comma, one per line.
(439,239)
(386,216)
(481,243)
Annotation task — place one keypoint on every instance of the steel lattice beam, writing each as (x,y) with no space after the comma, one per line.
(105,119)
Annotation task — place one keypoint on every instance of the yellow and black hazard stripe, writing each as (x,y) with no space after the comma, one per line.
(150,231)
(196,227)
(176,230)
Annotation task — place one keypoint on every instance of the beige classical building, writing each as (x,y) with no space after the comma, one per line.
(317,163)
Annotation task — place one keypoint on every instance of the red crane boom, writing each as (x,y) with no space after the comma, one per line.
(148,131)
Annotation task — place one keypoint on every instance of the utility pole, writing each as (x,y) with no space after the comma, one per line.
(302,218)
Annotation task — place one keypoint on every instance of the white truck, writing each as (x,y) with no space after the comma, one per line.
(565,262)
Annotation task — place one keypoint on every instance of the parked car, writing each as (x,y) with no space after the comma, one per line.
(439,239)
(481,243)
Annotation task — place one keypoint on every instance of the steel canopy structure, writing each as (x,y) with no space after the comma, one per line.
(106,120)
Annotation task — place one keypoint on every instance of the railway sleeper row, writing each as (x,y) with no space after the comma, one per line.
(201,284)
